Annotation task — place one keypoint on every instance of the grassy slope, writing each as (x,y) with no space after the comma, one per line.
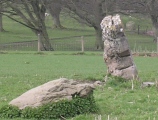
(23,71)
(16,32)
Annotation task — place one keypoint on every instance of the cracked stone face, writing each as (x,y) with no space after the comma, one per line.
(117,54)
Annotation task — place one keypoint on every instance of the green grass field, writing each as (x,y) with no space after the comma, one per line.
(21,71)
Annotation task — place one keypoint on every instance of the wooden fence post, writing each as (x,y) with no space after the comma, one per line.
(82,43)
(39,42)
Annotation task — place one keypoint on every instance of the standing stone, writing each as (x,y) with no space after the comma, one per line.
(117,54)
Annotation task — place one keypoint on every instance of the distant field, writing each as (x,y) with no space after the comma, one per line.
(18,33)
(21,71)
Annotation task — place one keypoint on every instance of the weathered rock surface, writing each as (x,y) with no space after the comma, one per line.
(117,54)
(53,91)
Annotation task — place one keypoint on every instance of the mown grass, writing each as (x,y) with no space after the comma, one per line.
(32,69)
(21,71)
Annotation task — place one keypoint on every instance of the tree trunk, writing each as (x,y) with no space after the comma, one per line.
(1,23)
(155,30)
(98,43)
(98,14)
(45,42)
(55,9)
(155,25)
(56,21)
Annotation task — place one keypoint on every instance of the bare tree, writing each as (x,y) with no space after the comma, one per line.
(32,14)
(89,12)
(54,7)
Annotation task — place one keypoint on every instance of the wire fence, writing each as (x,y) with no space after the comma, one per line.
(78,43)
(75,43)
